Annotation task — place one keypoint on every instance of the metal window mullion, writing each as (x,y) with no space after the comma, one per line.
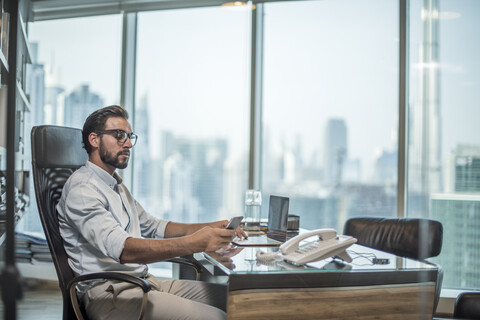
(402,109)
(12,290)
(256,74)
(127,85)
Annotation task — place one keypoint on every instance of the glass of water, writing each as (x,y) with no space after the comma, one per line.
(253,207)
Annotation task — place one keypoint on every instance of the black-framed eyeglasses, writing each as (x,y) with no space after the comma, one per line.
(121,135)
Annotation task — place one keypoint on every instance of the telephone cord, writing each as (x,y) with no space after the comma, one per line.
(266,256)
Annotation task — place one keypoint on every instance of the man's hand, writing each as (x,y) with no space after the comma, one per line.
(211,239)
(238,232)
(140,250)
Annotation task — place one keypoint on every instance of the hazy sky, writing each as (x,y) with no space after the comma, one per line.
(86,50)
(323,59)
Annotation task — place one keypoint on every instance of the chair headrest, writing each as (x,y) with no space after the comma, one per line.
(58,147)
(408,237)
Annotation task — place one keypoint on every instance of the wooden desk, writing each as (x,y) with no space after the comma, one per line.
(327,289)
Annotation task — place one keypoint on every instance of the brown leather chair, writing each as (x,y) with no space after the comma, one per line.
(406,237)
(56,153)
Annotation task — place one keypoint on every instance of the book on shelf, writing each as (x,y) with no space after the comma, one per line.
(32,247)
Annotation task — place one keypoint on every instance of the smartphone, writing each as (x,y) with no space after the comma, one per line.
(234,222)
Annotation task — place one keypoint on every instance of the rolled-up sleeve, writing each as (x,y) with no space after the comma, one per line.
(90,215)
(151,227)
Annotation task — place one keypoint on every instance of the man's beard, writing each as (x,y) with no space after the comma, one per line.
(111,159)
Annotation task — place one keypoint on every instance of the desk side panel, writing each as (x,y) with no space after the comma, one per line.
(407,301)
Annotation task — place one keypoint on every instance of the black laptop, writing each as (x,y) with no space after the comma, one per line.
(277,225)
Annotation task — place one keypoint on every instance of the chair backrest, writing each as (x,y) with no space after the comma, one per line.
(56,153)
(467,306)
(407,237)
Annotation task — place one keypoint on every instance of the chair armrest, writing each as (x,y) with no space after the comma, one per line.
(189,262)
(142,283)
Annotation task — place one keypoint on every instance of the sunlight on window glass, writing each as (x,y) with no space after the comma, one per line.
(444,151)
(192,113)
(330,108)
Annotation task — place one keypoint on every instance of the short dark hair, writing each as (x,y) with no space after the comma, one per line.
(96,122)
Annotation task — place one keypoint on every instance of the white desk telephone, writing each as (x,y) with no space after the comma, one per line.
(326,244)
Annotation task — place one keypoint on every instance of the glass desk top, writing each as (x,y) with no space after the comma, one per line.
(331,288)
(242,260)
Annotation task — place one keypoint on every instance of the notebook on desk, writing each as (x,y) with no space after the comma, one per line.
(277,225)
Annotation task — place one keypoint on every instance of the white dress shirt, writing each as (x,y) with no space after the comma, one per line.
(97,214)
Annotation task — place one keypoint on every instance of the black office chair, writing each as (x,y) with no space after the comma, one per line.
(467,306)
(406,237)
(56,153)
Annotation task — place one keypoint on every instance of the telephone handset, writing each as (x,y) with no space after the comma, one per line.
(326,244)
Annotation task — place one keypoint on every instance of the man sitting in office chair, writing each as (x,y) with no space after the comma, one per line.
(105,229)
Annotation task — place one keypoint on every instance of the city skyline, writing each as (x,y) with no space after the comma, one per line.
(454,74)
(86,100)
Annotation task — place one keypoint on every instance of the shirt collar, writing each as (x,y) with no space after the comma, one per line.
(111,181)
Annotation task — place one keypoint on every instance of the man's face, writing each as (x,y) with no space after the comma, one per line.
(113,152)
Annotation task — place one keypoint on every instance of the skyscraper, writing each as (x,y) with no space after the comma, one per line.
(193,178)
(142,179)
(335,151)
(79,104)
(460,207)
(466,169)
(425,119)
(207,158)
(386,168)
(54,97)
(36,86)
(460,216)
(178,200)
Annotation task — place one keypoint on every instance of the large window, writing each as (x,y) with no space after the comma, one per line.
(192,112)
(76,70)
(444,150)
(329,110)
(330,104)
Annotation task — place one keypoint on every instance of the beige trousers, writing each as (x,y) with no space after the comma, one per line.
(172,299)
